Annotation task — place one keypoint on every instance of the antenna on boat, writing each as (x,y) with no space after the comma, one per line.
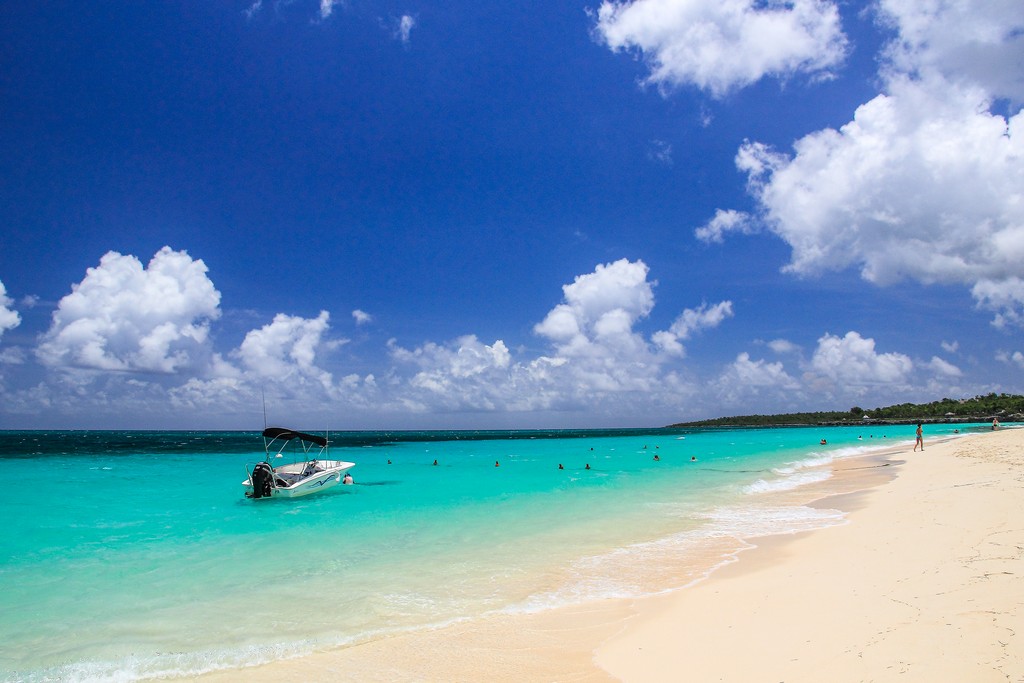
(263,395)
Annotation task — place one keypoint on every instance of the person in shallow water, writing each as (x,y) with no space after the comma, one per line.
(347,479)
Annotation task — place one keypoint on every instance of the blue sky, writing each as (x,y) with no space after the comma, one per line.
(401,215)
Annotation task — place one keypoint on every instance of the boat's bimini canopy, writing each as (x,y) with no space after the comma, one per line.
(279,433)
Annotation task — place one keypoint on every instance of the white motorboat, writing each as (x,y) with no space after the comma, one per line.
(310,471)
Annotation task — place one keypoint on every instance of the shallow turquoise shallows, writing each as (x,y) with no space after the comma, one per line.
(129,555)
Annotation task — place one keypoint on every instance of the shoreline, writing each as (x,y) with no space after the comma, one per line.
(640,638)
(920,585)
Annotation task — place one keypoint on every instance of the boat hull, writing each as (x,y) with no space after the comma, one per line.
(327,478)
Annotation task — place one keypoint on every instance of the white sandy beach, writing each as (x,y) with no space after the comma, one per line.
(924,583)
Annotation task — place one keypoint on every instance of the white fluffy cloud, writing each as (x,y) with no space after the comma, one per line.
(468,357)
(595,351)
(723,222)
(593,330)
(464,374)
(960,40)
(599,311)
(596,357)
(925,182)
(286,349)
(1005,296)
(847,368)
(125,317)
(596,360)
(782,346)
(691,320)
(722,45)
(760,373)
(701,318)
(1015,358)
(285,362)
(851,361)
(596,346)
(944,368)
(9,318)
(745,378)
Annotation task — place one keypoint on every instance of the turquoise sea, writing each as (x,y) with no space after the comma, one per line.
(134,555)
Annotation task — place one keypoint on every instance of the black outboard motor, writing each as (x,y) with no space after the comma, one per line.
(262,480)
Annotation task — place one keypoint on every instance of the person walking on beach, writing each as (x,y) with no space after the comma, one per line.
(920,439)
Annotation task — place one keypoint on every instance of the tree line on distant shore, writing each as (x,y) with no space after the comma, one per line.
(1004,407)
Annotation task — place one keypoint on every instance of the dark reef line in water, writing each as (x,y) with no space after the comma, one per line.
(33,443)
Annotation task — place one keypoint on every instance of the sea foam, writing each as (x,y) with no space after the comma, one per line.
(677,560)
